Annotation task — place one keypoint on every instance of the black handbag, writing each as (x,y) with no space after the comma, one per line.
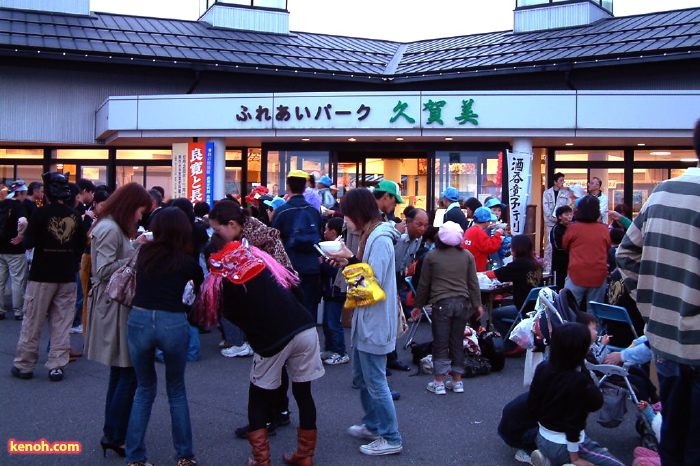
(492,348)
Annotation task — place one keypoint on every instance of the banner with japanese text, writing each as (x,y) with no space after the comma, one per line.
(519,181)
(179,175)
(200,157)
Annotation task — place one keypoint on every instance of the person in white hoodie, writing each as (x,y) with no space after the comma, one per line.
(374,326)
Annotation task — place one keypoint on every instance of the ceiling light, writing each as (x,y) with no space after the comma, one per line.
(689,159)
(305,139)
(641,144)
(569,143)
(352,139)
(448,139)
(660,153)
(399,139)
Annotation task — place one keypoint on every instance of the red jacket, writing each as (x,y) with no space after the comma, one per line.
(588,245)
(480,244)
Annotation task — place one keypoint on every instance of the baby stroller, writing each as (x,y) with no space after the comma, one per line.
(615,398)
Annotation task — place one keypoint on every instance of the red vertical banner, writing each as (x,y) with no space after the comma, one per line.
(196,171)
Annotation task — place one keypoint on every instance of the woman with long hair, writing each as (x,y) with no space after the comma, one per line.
(374,327)
(158,319)
(106,342)
(448,281)
(588,242)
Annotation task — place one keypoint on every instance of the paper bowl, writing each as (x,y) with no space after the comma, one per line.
(330,246)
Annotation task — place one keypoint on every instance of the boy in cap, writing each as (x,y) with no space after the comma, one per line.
(454,213)
(323,185)
(478,241)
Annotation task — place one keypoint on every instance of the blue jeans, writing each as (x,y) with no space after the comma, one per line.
(588,450)
(169,331)
(78,319)
(369,375)
(192,350)
(333,330)
(232,333)
(596,293)
(680,399)
(120,397)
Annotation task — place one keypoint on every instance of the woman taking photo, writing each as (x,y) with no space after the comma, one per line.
(448,280)
(158,319)
(106,341)
(374,327)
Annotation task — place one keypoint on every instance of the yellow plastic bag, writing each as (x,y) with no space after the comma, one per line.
(363,289)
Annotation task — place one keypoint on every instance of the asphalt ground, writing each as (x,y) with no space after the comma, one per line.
(456,429)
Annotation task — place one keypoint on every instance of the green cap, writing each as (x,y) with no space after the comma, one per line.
(390,187)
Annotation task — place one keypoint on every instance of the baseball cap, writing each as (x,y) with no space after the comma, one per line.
(298,174)
(451,194)
(451,233)
(15,187)
(325,179)
(390,187)
(275,203)
(483,215)
(493,202)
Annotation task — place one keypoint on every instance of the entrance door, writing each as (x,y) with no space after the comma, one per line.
(367,169)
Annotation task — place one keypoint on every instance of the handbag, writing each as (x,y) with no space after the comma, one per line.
(122,284)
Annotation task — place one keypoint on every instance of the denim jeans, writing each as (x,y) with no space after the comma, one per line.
(588,450)
(232,333)
(596,293)
(120,397)
(680,398)
(78,319)
(333,330)
(449,320)
(146,330)
(369,375)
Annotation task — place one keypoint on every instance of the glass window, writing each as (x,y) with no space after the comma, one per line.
(612,181)
(160,176)
(234,177)
(7,174)
(661,155)
(29,173)
(96,174)
(645,180)
(279,163)
(234,155)
(68,169)
(589,155)
(474,174)
(144,154)
(21,153)
(92,154)
(129,174)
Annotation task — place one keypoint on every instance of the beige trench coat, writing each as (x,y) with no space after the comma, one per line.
(106,340)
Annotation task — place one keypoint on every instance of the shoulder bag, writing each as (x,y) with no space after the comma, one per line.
(122,284)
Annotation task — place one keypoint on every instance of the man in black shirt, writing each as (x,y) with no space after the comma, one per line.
(56,234)
(13,261)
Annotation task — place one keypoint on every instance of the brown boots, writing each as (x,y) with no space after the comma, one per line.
(306,446)
(261,448)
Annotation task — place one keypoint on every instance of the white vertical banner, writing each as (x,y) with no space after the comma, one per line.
(519,181)
(179,170)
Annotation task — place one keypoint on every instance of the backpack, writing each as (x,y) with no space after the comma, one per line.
(491,344)
(5,214)
(305,231)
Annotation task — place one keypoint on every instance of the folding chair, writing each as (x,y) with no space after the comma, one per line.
(609,312)
(414,325)
(528,306)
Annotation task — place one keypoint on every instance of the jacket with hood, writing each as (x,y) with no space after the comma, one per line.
(374,327)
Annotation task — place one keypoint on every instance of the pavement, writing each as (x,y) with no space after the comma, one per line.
(456,429)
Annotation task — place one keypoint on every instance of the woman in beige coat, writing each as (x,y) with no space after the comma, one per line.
(106,340)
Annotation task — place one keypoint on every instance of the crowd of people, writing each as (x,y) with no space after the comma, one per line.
(257,273)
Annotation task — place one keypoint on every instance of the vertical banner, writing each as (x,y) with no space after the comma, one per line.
(209,175)
(196,171)
(179,174)
(519,180)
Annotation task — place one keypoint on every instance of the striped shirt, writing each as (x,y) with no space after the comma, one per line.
(659,259)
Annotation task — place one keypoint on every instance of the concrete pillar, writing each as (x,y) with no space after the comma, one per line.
(392,169)
(219,172)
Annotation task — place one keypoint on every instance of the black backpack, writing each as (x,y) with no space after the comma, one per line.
(306,230)
(491,344)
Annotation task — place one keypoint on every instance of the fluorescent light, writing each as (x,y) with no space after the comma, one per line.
(569,143)
(448,139)
(352,139)
(689,159)
(399,139)
(305,139)
(641,144)
(660,153)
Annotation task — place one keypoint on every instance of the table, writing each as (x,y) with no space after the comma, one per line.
(487,296)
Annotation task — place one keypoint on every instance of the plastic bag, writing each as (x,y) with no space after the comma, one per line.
(522,334)
(532,360)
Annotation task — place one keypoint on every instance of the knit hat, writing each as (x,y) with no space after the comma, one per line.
(326,180)
(483,215)
(451,233)
(451,194)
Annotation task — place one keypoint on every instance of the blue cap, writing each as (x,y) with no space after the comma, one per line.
(325,179)
(451,194)
(276,203)
(483,215)
(493,202)
(577,202)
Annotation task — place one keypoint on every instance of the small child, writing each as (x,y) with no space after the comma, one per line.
(333,298)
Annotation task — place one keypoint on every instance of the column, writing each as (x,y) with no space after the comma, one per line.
(219,171)
(392,169)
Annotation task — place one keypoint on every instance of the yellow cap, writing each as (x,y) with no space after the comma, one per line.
(298,174)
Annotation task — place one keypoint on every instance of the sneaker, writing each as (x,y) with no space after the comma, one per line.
(336,359)
(237,351)
(362,432)
(56,375)
(381,447)
(437,388)
(394,394)
(21,375)
(327,355)
(186,462)
(77,329)
(538,459)
(457,387)
(523,456)
(224,344)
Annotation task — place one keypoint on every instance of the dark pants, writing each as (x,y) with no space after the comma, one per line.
(449,320)
(680,399)
(309,286)
(260,399)
(120,398)
(333,329)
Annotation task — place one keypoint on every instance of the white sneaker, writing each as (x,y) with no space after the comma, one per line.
(237,351)
(538,459)
(437,388)
(77,329)
(326,355)
(457,387)
(336,359)
(381,447)
(362,432)
(522,456)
